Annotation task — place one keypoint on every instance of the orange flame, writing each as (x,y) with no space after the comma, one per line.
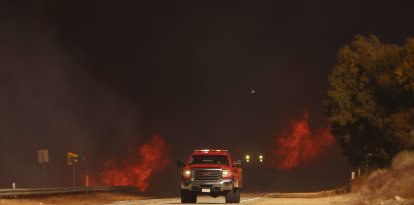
(300,146)
(150,158)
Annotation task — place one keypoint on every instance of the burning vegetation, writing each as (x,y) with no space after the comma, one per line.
(141,164)
(299,145)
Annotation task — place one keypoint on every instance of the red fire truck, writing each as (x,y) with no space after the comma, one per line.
(210,172)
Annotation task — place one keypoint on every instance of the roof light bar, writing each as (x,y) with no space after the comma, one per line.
(210,150)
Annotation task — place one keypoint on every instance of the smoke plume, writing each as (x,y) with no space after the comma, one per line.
(48,101)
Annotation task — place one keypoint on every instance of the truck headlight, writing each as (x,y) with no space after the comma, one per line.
(187,173)
(225,173)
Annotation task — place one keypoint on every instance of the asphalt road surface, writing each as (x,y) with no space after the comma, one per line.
(256,199)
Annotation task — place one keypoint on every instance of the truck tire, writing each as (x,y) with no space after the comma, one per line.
(185,196)
(188,196)
(230,196)
(193,197)
(236,195)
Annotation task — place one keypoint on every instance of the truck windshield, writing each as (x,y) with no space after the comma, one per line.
(209,159)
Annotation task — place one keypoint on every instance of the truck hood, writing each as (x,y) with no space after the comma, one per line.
(217,166)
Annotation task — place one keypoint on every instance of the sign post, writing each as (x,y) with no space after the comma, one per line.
(73,159)
(74,175)
(43,159)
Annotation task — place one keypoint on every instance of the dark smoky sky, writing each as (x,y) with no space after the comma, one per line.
(96,77)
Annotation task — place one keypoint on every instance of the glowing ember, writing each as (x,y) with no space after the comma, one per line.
(150,158)
(299,146)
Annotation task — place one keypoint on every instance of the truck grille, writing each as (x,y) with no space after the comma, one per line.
(207,174)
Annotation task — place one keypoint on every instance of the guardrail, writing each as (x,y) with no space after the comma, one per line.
(37,192)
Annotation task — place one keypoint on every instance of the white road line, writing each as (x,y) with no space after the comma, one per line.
(175,200)
(252,199)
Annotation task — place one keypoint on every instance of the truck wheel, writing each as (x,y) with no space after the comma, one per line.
(185,196)
(237,195)
(188,197)
(230,196)
(193,197)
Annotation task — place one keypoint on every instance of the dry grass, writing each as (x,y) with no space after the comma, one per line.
(388,186)
(78,199)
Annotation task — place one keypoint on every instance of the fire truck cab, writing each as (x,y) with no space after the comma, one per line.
(210,172)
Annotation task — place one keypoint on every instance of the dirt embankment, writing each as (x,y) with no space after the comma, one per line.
(394,185)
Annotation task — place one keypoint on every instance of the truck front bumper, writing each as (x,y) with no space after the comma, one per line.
(208,186)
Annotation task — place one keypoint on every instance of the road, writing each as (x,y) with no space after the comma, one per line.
(255,199)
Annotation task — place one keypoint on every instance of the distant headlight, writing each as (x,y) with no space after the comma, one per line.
(225,173)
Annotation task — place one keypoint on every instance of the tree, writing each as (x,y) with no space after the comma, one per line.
(370,100)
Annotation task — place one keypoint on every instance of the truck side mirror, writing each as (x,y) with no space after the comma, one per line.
(180,163)
(237,163)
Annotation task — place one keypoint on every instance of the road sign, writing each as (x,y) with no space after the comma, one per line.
(43,159)
(74,158)
(43,156)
